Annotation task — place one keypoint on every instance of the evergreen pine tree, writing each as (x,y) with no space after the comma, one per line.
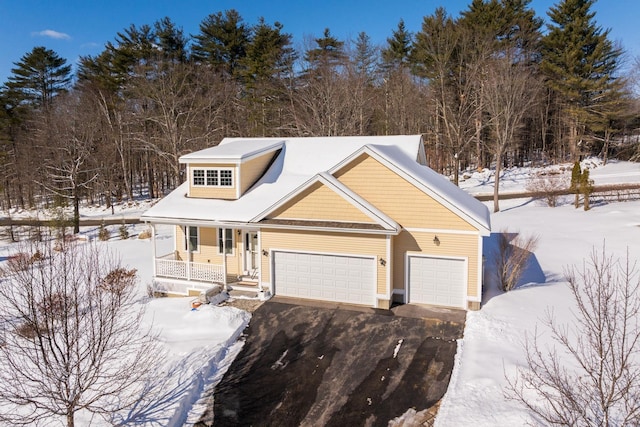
(38,77)
(365,57)
(580,63)
(329,52)
(222,41)
(268,53)
(576,176)
(269,57)
(586,188)
(170,40)
(398,50)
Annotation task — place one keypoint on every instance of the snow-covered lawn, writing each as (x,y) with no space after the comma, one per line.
(493,336)
(201,344)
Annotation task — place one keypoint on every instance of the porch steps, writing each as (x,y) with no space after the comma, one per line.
(243,285)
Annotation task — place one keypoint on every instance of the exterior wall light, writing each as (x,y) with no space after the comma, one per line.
(436,241)
(265,253)
(383,262)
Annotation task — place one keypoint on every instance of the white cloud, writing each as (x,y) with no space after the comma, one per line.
(53,34)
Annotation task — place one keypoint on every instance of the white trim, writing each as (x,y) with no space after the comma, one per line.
(258,226)
(341,190)
(186,230)
(219,171)
(409,254)
(223,250)
(244,234)
(478,296)
(197,222)
(260,272)
(212,157)
(389,267)
(374,258)
(327,229)
(238,182)
(443,231)
(189,285)
(153,247)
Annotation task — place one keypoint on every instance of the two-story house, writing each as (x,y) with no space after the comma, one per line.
(358,220)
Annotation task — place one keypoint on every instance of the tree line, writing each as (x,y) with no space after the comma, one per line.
(488,87)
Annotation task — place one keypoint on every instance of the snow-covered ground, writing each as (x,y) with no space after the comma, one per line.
(515,179)
(494,336)
(201,344)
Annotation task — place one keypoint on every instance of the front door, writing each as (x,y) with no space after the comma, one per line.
(251,253)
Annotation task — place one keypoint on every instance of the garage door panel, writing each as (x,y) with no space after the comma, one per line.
(438,281)
(327,277)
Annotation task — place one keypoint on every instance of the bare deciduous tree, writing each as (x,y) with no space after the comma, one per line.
(592,375)
(511,257)
(511,89)
(71,336)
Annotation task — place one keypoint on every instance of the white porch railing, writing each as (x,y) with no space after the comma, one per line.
(196,271)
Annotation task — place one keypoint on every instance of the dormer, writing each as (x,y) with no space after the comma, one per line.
(229,169)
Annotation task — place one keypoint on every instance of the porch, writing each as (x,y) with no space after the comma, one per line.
(199,275)
(199,257)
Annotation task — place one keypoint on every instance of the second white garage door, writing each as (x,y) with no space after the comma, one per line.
(338,278)
(438,281)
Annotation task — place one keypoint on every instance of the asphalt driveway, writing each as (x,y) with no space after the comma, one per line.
(335,365)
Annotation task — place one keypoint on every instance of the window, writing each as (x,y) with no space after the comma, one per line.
(191,238)
(225,178)
(212,177)
(225,240)
(198,177)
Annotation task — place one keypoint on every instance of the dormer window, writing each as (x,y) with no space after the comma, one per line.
(212,177)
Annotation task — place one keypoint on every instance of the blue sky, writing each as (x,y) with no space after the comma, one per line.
(81,27)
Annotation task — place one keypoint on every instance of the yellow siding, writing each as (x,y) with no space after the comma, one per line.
(228,193)
(320,203)
(253,169)
(337,243)
(453,245)
(208,250)
(396,197)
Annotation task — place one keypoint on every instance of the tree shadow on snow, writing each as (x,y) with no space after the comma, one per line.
(161,395)
(533,275)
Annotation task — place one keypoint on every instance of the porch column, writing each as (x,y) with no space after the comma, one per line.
(153,248)
(187,230)
(223,233)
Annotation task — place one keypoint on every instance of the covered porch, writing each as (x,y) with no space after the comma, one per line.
(202,256)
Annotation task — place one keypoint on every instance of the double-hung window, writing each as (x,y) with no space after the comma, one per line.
(212,177)
(225,240)
(191,238)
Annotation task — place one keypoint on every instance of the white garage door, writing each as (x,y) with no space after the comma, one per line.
(347,279)
(438,281)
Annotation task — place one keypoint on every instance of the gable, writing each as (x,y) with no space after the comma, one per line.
(319,202)
(396,197)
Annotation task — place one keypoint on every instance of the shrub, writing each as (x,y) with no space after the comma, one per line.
(549,185)
(145,234)
(124,233)
(104,234)
(511,258)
